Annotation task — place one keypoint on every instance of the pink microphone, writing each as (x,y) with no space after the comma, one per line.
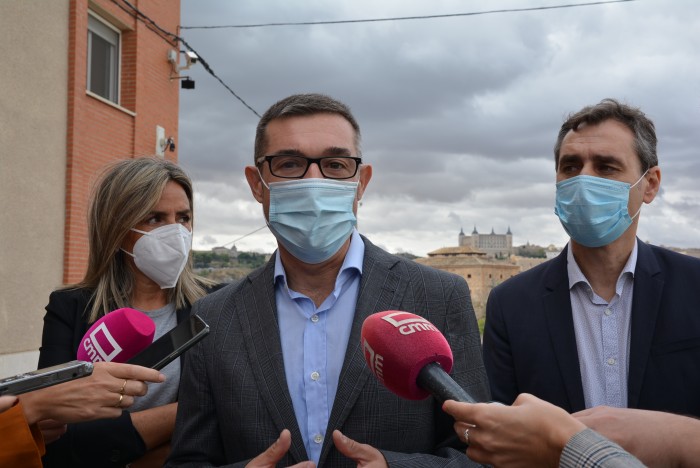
(410,356)
(117,337)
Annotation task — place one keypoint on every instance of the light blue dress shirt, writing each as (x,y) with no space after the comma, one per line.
(602,334)
(314,341)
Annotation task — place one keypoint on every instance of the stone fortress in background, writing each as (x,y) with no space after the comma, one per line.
(484,261)
(493,245)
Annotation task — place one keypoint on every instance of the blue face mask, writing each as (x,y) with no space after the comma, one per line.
(593,210)
(312,218)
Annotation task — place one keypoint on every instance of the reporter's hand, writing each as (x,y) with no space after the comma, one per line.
(532,432)
(110,388)
(275,452)
(51,430)
(363,454)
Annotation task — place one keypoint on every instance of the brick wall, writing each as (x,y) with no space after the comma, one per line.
(98,132)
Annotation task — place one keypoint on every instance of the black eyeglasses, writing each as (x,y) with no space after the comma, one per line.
(288,166)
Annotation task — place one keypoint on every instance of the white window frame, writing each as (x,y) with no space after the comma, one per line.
(114,94)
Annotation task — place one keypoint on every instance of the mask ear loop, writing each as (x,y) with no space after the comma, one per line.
(262,180)
(268,189)
(640,179)
(140,232)
(640,206)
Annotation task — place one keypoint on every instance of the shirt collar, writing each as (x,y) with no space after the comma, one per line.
(353,259)
(576,275)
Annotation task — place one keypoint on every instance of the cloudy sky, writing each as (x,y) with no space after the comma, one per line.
(458,115)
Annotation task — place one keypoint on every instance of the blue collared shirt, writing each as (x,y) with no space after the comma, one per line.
(602,334)
(314,341)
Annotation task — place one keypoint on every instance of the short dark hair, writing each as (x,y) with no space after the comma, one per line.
(302,105)
(632,117)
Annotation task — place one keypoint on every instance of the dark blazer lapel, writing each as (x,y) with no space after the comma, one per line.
(381,288)
(262,340)
(559,316)
(646,301)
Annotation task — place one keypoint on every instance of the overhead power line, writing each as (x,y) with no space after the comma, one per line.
(244,236)
(403,18)
(162,33)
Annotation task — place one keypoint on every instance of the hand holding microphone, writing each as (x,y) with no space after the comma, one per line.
(531,432)
(410,356)
(111,388)
(116,337)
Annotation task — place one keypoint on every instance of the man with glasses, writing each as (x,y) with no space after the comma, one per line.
(283,360)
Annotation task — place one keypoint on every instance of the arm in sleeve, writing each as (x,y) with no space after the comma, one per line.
(20,444)
(105,442)
(64,326)
(590,449)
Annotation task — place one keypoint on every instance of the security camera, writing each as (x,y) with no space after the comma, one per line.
(191,56)
(190,59)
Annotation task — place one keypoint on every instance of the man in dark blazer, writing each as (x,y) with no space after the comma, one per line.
(612,320)
(258,374)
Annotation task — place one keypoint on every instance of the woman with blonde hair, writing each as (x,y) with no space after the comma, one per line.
(140,232)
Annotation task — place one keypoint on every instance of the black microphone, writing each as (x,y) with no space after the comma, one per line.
(432,377)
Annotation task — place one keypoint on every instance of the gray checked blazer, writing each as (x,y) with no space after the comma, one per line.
(234,400)
(590,449)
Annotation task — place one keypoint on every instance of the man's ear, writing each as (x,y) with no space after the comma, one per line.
(653,179)
(365,176)
(253,177)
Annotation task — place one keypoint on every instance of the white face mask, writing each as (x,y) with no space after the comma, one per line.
(162,253)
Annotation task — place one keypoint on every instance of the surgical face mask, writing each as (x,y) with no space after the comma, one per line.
(593,210)
(161,254)
(312,218)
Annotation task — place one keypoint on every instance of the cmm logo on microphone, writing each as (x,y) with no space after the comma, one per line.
(374,360)
(101,345)
(409,325)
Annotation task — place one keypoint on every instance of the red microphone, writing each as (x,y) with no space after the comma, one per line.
(117,337)
(410,356)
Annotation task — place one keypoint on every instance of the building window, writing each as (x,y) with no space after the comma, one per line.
(103,59)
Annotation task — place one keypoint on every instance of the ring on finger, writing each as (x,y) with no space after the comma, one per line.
(466,436)
(121,392)
(119,403)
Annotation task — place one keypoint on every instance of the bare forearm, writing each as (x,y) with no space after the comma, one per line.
(656,438)
(155,425)
(680,447)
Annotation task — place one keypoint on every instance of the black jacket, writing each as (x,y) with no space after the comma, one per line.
(105,442)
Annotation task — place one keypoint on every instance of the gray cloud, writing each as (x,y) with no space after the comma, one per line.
(458,115)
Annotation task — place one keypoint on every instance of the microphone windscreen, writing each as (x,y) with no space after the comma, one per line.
(397,345)
(117,337)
